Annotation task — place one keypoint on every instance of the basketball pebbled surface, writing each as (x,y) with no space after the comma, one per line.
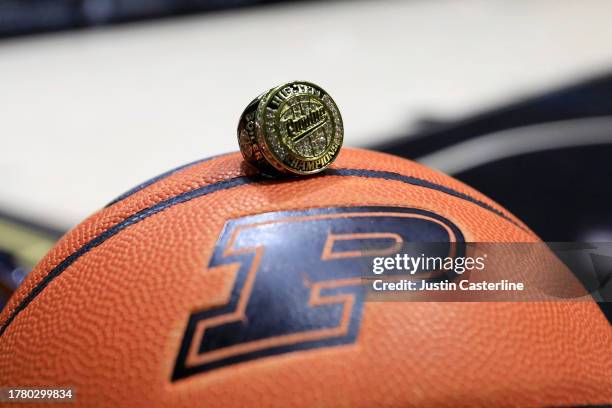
(169,296)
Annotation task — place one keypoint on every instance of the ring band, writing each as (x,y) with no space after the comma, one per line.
(293,129)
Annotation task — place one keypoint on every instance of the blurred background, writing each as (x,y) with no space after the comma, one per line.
(96,96)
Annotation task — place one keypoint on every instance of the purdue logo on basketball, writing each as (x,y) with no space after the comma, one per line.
(298,284)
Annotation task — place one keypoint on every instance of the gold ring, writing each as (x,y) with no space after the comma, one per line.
(293,129)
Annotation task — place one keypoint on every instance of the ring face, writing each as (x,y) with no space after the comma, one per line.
(294,128)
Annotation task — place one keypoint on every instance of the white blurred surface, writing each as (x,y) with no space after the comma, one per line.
(86,115)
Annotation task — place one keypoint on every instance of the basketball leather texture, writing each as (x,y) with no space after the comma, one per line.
(212,286)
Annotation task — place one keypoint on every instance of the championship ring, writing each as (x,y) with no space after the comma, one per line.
(293,129)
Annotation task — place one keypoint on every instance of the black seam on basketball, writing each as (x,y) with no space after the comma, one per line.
(211,188)
(353,172)
(388,175)
(160,177)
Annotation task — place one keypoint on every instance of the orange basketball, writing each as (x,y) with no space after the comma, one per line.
(209,286)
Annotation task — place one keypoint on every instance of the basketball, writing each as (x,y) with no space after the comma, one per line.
(213,286)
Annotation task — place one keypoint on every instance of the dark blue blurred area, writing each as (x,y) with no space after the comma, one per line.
(20,17)
(11,276)
(591,98)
